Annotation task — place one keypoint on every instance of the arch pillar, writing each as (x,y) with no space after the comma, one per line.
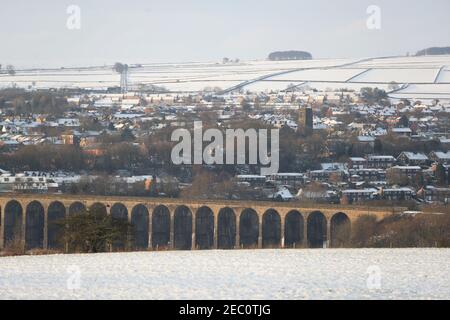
(129,210)
(23,240)
(172,229)
(328,232)
(238,232)
(305,231)
(2,226)
(260,233)
(194,222)
(216,233)
(45,242)
(282,231)
(150,233)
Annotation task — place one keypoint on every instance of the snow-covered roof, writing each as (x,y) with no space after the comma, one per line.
(366,139)
(249,176)
(333,166)
(407,168)
(283,193)
(415,156)
(369,190)
(442,155)
(398,190)
(381,158)
(292,174)
(357,159)
(401,130)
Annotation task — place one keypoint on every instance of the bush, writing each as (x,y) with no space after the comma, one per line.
(13,247)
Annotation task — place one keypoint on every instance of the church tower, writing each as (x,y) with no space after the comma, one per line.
(305,121)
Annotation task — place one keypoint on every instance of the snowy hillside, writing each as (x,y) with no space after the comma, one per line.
(431,73)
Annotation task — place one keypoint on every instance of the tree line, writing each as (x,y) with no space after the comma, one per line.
(402,231)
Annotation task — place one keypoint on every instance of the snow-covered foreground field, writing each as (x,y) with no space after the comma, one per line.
(264,274)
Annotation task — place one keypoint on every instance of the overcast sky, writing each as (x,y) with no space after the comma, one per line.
(34,33)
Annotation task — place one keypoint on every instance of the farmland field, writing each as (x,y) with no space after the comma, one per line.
(430,75)
(240,274)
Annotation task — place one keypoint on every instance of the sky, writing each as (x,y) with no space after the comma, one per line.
(35,33)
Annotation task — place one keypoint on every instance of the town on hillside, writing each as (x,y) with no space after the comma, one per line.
(336,146)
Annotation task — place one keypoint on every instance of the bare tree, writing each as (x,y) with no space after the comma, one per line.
(120,67)
(91,231)
(10,70)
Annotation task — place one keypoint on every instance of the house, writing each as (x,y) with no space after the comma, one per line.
(89,138)
(413,159)
(434,194)
(95,150)
(10,145)
(251,179)
(445,142)
(282,195)
(397,194)
(318,195)
(409,171)
(402,132)
(367,174)
(289,179)
(28,184)
(359,195)
(70,138)
(357,163)
(380,162)
(367,140)
(68,122)
(440,157)
(329,170)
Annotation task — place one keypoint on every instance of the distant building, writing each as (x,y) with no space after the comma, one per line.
(409,171)
(413,159)
(380,162)
(368,174)
(357,163)
(366,141)
(305,121)
(24,184)
(433,194)
(402,132)
(440,157)
(329,170)
(397,194)
(289,179)
(445,142)
(70,138)
(96,150)
(251,179)
(359,195)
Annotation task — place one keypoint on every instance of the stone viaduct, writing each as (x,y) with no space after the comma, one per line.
(184,224)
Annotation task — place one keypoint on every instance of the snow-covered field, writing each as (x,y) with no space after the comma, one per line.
(398,75)
(260,274)
(431,72)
